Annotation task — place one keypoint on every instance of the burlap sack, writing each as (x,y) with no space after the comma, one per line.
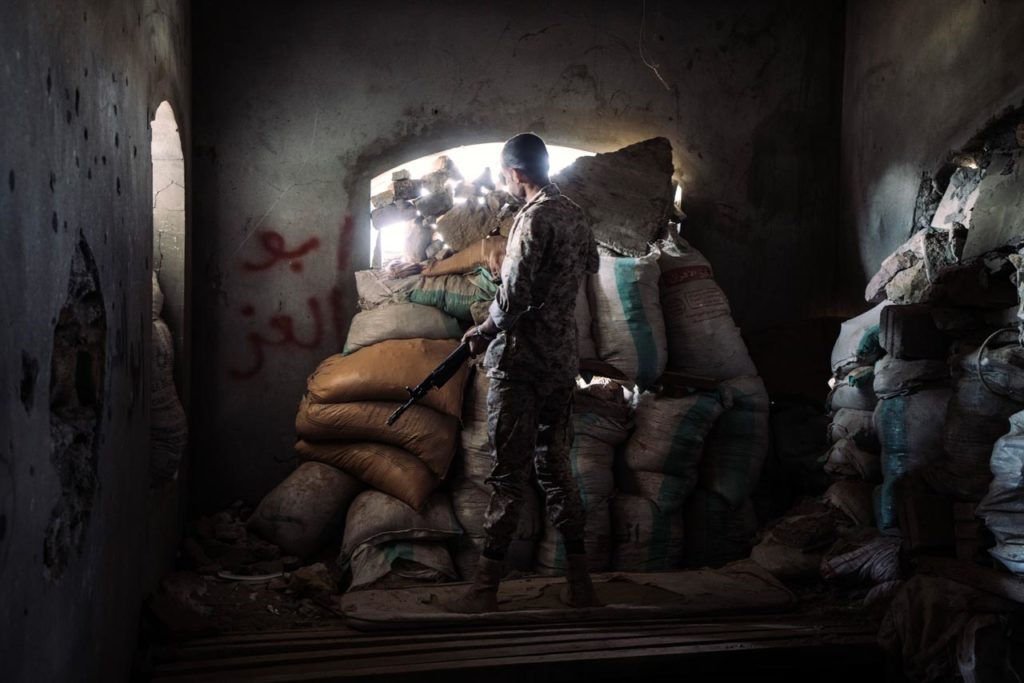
(382,372)
(426,433)
(488,252)
(387,468)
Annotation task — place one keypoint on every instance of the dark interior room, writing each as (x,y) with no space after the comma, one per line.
(595,340)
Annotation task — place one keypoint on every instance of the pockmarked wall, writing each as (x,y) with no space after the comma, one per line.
(921,79)
(299,105)
(80,531)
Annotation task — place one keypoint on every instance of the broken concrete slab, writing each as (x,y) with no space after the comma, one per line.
(627,194)
(740,586)
(959,199)
(998,216)
(916,263)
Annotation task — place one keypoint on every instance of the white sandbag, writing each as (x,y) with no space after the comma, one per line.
(737,445)
(402,563)
(894,376)
(855,397)
(853,424)
(376,518)
(628,324)
(470,505)
(1002,508)
(584,325)
(399,321)
(702,337)
(377,287)
(644,539)
(670,432)
(858,341)
(846,460)
(306,509)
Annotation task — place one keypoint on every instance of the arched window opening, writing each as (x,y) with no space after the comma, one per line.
(408,203)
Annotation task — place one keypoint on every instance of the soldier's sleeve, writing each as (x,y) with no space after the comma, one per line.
(514,294)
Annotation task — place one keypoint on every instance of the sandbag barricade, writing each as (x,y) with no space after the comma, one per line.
(413,540)
(628,326)
(487,253)
(399,321)
(702,337)
(643,538)
(378,288)
(306,509)
(470,502)
(455,294)
(1002,508)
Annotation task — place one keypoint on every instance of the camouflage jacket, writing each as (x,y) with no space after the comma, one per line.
(550,249)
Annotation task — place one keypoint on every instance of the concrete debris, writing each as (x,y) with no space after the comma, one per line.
(435,203)
(998,216)
(959,199)
(406,188)
(435,181)
(382,199)
(915,265)
(316,578)
(627,194)
(445,164)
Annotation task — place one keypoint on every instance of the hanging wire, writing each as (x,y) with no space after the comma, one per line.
(981,351)
(640,44)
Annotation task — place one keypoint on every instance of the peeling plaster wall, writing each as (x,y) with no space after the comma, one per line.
(921,78)
(80,538)
(299,105)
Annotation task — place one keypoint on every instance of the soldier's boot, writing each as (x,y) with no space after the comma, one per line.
(482,594)
(579,589)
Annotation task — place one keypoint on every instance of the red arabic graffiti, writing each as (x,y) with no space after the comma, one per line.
(281,332)
(273,243)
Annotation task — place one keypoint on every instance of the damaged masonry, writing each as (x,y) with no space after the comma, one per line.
(628,341)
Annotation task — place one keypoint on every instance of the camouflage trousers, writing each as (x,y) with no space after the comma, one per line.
(527,422)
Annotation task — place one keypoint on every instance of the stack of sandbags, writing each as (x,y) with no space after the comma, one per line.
(793,546)
(988,389)
(342,418)
(465,297)
(601,422)
(853,358)
(1002,508)
(471,494)
(660,464)
(307,509)
(389,543)
(168,429)
(628,327)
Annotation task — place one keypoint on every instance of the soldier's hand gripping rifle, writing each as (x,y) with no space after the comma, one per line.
(435,380)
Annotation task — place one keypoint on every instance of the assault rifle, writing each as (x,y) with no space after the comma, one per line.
(435,380)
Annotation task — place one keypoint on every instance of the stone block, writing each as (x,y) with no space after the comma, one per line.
(435,204)
(627,194)
(406,188)
(383,199)
(959,199)
(402,174)
(398,212)
(435,181)
(998,216)
(445,164)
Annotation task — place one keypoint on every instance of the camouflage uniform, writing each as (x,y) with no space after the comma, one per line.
(533,364)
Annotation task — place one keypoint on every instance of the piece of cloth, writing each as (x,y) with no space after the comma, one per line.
(550,249)
(526,421)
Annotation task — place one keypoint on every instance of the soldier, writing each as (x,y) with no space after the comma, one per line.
(532,360)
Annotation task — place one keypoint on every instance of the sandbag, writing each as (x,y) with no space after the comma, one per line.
(488,253)
(978,416)
(666,491)
(854,499)
(305,510)
(1002,508)
(643,539)
(845,459)
(910,430)
(628,325)
(454,294)
(402,563)
(584,325)
(858,342)
(853,424)
(426,433)
(387,468)
(383,371)
(702,337)
(551,552)
(399,321)
(875,561)
(377,287)
(470,504)
(853,397)
(670,432)
(737,445)
(375,518)
(716,532)
(894,376)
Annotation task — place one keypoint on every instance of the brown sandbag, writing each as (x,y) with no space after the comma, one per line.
(306,509)
(426,433)
(390,469)
(381,372)
(488,252)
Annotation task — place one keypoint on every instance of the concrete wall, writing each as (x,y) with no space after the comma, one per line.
(299,105)
(921,78)
(81,82)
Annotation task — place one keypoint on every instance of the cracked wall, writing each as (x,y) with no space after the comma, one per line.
(80,537)
(298,108)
